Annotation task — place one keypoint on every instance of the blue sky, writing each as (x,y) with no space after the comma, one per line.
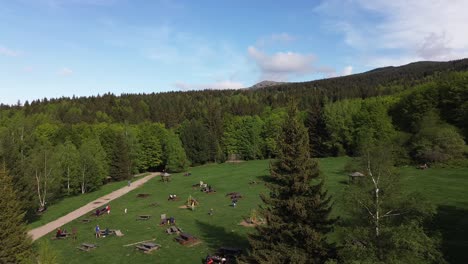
(54,48)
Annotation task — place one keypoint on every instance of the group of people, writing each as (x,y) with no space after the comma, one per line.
(215,260)
(234,201)
(60,233)
(208,189)
(103,210)
(97,230)
(63,233)
(168,221)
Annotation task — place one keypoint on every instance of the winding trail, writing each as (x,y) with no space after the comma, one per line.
(41,231)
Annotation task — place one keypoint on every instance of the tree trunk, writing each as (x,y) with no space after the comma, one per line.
(83,181)
(68,180)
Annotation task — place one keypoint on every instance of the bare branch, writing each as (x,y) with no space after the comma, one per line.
(367,208)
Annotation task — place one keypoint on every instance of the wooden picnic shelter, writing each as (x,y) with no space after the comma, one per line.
(355,176)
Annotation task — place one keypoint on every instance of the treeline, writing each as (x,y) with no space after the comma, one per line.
(172,108)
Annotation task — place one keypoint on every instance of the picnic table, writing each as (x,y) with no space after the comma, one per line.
(87,246)
(173,230)
(108,233)
(143,217)
(187,239)
(147,247)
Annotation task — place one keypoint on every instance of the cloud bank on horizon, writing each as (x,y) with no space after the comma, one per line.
(120,46)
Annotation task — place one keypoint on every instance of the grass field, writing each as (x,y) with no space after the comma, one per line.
(444,187)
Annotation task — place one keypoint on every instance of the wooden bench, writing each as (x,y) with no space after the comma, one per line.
(86,247)
(147,247)
(85,220)
(143,217)
(62,236)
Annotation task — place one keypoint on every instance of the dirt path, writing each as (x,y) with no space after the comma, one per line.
(41,231)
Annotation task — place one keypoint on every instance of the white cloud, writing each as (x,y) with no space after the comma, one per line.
(347,70)
(281,65)
(221,85)
(8,52)
(401,31)
(65,71)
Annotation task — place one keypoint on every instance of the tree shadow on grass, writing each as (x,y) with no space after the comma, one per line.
(452,223)
(216,236)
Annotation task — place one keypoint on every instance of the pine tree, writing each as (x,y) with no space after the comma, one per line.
(297,209)
(120,168)
(15,245)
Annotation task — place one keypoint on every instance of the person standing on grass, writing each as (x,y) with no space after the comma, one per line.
(74,233)
(98,231)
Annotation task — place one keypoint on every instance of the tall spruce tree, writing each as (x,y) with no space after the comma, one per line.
(120,168)
(297,211)
(15,245)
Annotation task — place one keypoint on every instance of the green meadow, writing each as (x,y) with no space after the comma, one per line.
(444,187)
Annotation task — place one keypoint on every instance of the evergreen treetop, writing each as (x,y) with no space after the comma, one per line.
(15,244)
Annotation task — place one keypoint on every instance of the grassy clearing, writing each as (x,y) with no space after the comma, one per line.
(444,187)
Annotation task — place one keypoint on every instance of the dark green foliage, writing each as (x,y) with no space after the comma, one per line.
(242,136)
(120,168)
(15,244)
(92,165)
(150,150)
(297,208)
(454,100)
(66,167)
(436,141)
(175,157)
(195,138)
(318,133)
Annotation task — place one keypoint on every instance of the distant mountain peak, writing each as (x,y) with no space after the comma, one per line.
(264,84)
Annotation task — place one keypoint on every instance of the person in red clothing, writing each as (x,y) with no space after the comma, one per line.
(108,209)
(59,232)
